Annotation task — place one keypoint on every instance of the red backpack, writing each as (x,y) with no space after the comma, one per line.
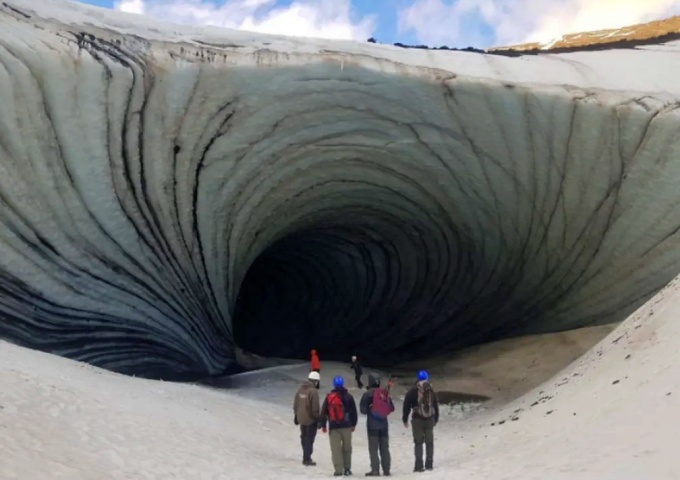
(381,408)
(336,409)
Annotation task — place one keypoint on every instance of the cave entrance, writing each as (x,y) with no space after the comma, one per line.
(318,289)
(342,289)
(401,294)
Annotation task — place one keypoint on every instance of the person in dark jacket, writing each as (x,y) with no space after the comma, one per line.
(339,412)
(358,371)
(306,410)
(377,427)
(421,401)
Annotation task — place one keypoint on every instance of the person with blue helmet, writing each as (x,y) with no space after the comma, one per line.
(339,417)
(421,403)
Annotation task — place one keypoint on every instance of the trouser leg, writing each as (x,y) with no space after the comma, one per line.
(311,436)
(385,456)
(304,442)
(335,438)
(313,429)
(429,443)
(359,383)
(373,446)
(347,448)
(307,435)
(418,440)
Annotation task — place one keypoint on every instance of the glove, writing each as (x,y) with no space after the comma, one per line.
(295,420)
(405,424)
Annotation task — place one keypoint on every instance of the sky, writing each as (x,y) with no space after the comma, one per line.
(455,23)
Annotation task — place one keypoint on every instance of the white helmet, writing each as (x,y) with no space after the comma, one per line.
(314,376)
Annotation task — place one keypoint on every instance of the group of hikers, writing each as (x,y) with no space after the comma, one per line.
(337,415)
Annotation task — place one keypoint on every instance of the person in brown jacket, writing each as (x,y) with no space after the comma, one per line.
(306,408)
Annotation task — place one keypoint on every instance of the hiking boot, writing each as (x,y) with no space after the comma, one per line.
(387,474)
(373,474)
(419,469)
(348,472)
(429,467)
(337,474)
(309,463)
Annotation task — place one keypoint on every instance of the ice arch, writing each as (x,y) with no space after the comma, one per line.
(168,192)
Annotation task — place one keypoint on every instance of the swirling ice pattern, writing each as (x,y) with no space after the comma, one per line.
(160,204)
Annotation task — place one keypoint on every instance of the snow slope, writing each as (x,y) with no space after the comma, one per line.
(613,414)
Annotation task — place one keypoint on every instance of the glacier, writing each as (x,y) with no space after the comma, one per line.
(171,195)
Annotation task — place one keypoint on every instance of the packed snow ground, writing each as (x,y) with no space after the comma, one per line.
(613,414)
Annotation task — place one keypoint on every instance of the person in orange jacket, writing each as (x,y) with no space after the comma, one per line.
(315,364)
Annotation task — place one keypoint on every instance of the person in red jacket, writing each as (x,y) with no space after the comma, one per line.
(315,364)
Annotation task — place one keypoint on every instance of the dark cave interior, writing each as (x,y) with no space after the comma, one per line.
(385,288)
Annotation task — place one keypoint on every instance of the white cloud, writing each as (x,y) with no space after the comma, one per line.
(130,6)
(302,18)
(516,21)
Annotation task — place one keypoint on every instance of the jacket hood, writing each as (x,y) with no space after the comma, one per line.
(308,385)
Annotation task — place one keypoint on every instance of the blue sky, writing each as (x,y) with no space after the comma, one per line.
(456,23)
(384,11)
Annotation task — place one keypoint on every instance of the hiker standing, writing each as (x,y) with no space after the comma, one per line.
(421,400)
(340,412)
(358,371)
(307,411)
(376,404)
(315,364)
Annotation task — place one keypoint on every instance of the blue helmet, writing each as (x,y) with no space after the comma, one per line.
(338,382)
(422,376)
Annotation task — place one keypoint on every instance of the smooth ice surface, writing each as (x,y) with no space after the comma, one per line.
(170,192)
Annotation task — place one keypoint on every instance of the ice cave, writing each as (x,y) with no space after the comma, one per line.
(172,194)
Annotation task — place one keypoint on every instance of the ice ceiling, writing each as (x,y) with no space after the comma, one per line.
(170,194)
